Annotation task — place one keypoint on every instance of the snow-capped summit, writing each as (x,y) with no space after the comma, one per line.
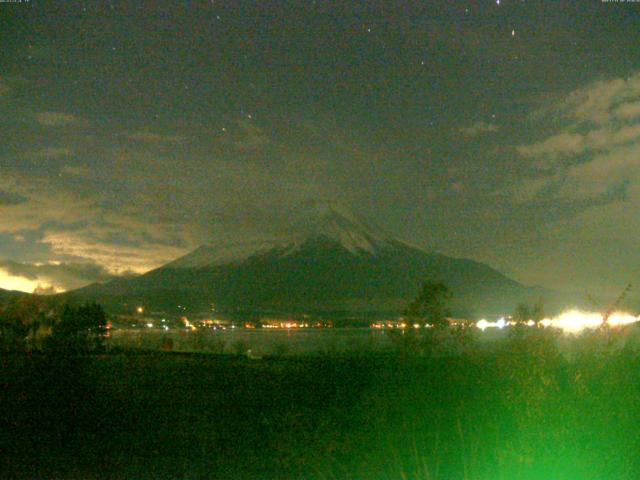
(317,218)
(313,219)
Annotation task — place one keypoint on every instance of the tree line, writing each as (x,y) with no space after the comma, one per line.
(32,323)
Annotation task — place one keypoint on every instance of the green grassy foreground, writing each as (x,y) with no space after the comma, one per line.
(518,411)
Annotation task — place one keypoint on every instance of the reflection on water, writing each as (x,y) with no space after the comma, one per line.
(257,342)
(260,342)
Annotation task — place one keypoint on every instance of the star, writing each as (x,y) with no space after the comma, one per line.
(513,33)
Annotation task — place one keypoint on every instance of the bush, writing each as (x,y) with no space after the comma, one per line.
(79,329)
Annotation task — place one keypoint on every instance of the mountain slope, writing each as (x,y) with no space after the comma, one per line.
(329,261)
(8,294)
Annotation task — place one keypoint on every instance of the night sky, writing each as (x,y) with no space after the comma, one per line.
(504,131)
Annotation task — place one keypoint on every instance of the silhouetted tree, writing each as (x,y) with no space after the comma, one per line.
(525,313)
(522,313)
(431,305)
(79,329)
(537,312)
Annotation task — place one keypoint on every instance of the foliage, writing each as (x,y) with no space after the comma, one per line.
(518,408)
(521,313)
(431,305)
(24,321)
(525,313)
(537,312)
(79,329)
(428,331)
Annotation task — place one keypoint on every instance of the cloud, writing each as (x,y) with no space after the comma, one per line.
(595,155)
(562,143)
(567,144)
(45,289)
(90,229)
(478,128)
(116,258)
(628,111)
(120,241)
(604,174)
(124,224)
(602,101)
(51,277)
(43,204)
(16,282)
(59,119)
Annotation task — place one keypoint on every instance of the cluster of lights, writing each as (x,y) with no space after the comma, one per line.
(500,323)
(572,321)
(187,324)
(391,324)
(216,324)
(287,324)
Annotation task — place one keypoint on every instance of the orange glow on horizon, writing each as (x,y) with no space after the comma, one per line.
(23,284)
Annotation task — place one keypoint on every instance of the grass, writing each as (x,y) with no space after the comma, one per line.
(517,411)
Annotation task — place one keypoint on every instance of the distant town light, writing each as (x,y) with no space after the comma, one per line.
(571,321)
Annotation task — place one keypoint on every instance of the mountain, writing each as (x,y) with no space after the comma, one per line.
(11,294)
(312,220)
(327,261)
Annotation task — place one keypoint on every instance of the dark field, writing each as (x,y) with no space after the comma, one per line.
(519,411)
